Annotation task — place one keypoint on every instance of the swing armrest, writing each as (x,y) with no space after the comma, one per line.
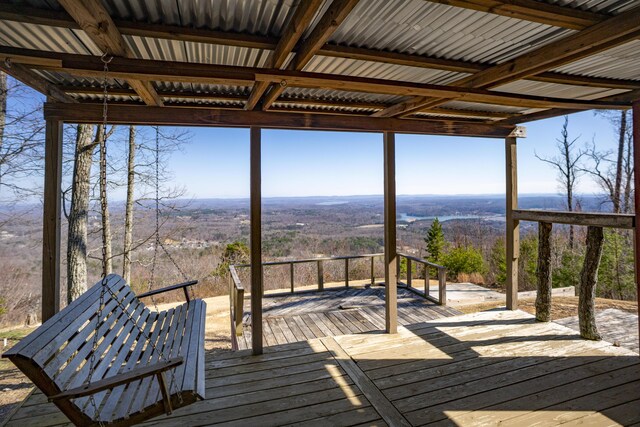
(182,286)
(116,380)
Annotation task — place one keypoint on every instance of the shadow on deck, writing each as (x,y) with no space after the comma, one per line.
(488,368)
(289,318)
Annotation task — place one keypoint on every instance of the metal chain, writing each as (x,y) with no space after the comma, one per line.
(103,203)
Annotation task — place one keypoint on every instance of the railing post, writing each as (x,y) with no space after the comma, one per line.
(346,272)
(320,275)
(409,273)
(291,273)
(442,286)
(543,271)
(426,280)
(239,311)
(373,278)
(398,263)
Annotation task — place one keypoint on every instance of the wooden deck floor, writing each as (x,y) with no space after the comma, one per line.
(289,318)
(489,368)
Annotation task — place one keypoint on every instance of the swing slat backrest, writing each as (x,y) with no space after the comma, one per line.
(59,354)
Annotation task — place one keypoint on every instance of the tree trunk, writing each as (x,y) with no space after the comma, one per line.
(588,282)
(78,214)
(543,272)
(107,266)
(618,181)
(128,216)
(3,107)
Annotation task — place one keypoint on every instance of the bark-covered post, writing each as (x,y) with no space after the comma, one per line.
(128,213)
(588,282)
(543,272)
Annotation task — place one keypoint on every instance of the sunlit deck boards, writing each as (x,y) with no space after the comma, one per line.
(480,369)
(301,316)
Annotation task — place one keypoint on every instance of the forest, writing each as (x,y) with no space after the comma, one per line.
(123,214)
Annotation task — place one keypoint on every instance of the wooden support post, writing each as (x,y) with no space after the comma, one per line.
(426,280)
(256,240)
(346,272)
(320,275)
(409,273)
(51,219)
(442,286)
(291,273)
(373,277)
(390,251)
(636,196)
(588,282)
(543,273)
(513,228)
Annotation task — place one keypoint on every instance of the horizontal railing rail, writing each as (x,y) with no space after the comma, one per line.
(236,305)
(442,278)
(236,290)
(594,219)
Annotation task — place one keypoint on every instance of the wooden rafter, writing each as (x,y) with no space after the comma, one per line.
(330,21)
(32,79)
(300,20)
(11,12)
(597,38)
(148,115)
(93,18)
(150,70)
(532,10)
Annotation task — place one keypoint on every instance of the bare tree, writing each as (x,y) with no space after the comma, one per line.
(77,242)
(128,216)
(615,177)
(567,165)
(107,263)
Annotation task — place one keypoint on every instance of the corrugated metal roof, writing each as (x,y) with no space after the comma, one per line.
(554,90)
(339,95)
(379,70)
(600,6)
(621,62)
(42,37)
(423,28)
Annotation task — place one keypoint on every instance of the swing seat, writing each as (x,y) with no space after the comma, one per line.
(136,375)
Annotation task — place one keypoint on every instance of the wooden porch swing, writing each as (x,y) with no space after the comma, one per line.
(106,359)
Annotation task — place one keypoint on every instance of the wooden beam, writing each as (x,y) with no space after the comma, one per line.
(150,70)
(33,80)
(145,115)
(596,219)
(330,21)
(256,240)
(599,37)
(381,86)
(531,10)
(513,227)
(95,21)
(51,221)
(304,13)
(390,250)
(636,194)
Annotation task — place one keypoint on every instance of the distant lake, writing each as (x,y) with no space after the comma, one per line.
(411,218)
(331,203)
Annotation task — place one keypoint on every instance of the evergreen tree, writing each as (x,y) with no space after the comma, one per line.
(435,241)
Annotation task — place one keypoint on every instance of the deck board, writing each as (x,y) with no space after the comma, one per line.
(489,368)
(296,317)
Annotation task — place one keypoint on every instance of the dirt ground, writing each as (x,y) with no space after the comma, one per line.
(15,386)
(561,307)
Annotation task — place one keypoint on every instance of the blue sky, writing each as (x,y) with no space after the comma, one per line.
(309,163)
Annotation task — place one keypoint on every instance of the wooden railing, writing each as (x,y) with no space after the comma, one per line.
(595,222)
(236,290)
(426,265)
(236,305)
